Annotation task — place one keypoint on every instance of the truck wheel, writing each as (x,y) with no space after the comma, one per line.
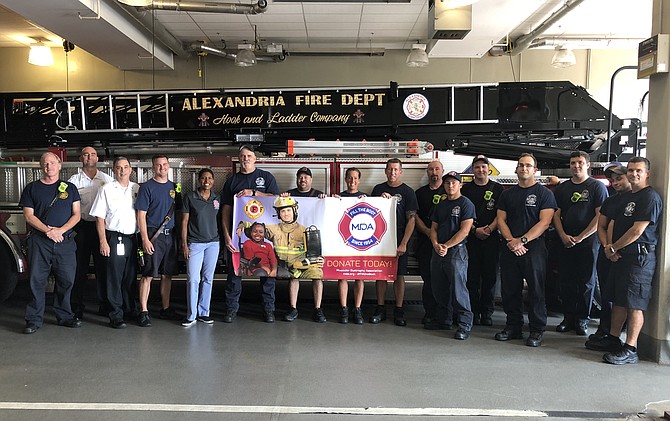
(10,277)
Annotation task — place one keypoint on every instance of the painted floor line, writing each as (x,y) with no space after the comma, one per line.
(456,412)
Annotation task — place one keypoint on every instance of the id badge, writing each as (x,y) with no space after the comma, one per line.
(120,250)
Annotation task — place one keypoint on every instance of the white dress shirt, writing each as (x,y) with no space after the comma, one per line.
(88,189)
(116,204)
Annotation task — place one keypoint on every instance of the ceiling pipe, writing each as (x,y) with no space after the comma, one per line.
(208,7)
(198,47)
(155,28)
(521,43)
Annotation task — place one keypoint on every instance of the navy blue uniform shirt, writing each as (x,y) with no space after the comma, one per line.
(523,206)
(258,180)
(485,200)
(38,196)
(578,203)
(645,205)
(449,214)
(156,199)
(406,203)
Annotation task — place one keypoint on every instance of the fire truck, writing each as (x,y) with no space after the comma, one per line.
(326,129)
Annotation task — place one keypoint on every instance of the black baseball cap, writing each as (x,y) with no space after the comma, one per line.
(247,146)
(454,175)
(480,158)
(304,170)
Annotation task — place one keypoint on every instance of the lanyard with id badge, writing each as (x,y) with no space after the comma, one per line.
(120,249)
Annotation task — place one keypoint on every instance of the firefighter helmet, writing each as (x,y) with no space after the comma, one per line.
(282,202)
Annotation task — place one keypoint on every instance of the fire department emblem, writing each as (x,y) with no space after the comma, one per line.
(531,200)
(491,204)
(416,106)
(260,183)
(630,209)
(358,117)
(254,209)
(362,226)
(456,211)
(203,120)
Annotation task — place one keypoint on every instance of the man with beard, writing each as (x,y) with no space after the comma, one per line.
(428,197)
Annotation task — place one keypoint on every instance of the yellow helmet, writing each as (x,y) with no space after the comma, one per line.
(285,202)
(282,202)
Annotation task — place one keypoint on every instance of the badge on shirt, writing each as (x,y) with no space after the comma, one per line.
(456,211)
(630,209)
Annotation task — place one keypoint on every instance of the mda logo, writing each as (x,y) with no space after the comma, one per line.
(362,226)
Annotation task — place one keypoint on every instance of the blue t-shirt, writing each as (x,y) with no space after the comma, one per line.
(449,214)
(523,206)
(202,217)
(406,203)
(578,203)
(611,204)
(484,198)
(645,205)
(258,180)
(38,196)
(156,199)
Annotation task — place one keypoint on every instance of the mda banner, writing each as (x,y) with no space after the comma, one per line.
(311,238)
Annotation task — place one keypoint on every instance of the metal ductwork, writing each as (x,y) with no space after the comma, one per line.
(208,7)
(198,47)
(521,43)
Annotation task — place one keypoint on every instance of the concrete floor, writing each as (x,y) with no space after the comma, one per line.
(250,370)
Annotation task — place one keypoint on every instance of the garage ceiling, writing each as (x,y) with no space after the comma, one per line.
(128,37)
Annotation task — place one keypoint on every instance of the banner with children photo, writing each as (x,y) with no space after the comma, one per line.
(310,238)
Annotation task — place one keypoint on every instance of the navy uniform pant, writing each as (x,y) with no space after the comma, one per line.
(88,243)
(121,275)
(483,273)
(603,267)
(44,257)
(449,275)
(234,289)
(424,252)
(577,279)
(532,267)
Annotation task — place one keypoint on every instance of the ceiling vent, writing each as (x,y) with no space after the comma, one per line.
(446,24)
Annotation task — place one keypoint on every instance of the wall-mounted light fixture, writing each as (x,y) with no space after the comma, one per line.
(40,55)
(417,56)
(563,57)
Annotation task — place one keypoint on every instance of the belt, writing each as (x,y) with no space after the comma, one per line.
(638,248)
(164,231)
(121,234)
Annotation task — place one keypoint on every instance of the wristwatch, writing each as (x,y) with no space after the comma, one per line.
(524,240)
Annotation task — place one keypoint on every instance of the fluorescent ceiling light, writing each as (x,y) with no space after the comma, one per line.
(417,56)
(564,57)
(136,3)
(40,55)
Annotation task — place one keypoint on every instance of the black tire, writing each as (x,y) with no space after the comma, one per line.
(10,276)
